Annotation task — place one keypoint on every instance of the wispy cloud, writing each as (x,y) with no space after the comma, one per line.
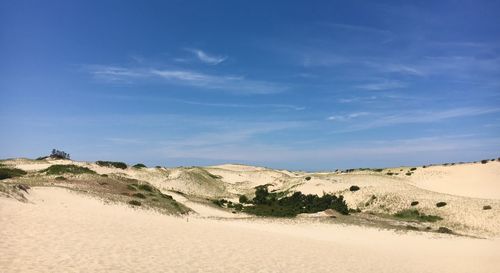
(207,58)
(383,85)
(377,120)
(230,83)
(347,116)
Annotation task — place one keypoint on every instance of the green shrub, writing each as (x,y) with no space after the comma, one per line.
(354,188)
(11,173)
(145,187)
(134,203)
(104,175)
(139,195)
(487,207)
(268,203)
(445,230)
(214,176)
(413,169)
(308,178)
(378,170)
(440,204)
(139,166)
(131,187)
(71,169)
(61,178)
(484,161)
(114,164)
(243,199)
(408,173)
(415,215)
(414,203)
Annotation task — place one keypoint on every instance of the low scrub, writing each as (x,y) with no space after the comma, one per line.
(139,195)
(67,169)
(139,166)
(414,203)
(445,230)
(440,204)
(487,207)
(354,188)
(243,199)
(268,203)
(114,164)
(11,173)
(134,203)
(415,215)
(484,161)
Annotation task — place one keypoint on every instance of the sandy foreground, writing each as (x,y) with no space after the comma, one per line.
(63,231)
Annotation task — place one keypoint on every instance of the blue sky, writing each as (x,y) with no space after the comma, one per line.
(290,84)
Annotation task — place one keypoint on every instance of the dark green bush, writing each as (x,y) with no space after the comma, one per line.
(487,207)
(145,187)
(414,203)
(308,178)
(440,204)
(408,173)
(445,230)
(61,178)
(354,188)
(134,203)
(269,204)
(71,169)
(214,176)
(114,164)
(484,161)
(139,166)
(415,215)
(413,169)
(11,173)
(131,187)
(243,199)
(139,195)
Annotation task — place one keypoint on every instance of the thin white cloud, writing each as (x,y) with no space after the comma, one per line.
(348,116)
(207,58)
(383,85)
(409,117)
(230,83)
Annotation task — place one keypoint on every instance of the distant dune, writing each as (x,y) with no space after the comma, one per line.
(82,219)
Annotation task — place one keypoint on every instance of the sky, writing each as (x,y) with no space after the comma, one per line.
(302,85)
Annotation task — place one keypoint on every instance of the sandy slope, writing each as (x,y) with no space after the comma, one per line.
(61,231)
(471,180)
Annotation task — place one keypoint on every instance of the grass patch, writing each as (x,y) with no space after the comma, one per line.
(145,187)
(139,195)
(63,169)
(11,173)
(134,203)
(415,215)
(114,164)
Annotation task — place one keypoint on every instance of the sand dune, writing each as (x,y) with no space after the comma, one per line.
(61,231)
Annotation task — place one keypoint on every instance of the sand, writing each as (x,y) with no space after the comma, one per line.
(62,231)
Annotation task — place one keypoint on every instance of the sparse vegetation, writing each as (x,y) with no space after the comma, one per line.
(414,203)
(214,176)
(268,203)
(307,178)
(354,188)
(67,169)
(114,164)
(11,173)
(408,173)
(484,161)
(139,166)
(61,178)
(145,187)
(440,204)
(487,207)
(139,195)
(243,199)
(413,169)
(134,203)
(445,230)
(415,215)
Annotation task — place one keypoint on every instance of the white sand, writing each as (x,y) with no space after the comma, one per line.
(61,231)
(471,180)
